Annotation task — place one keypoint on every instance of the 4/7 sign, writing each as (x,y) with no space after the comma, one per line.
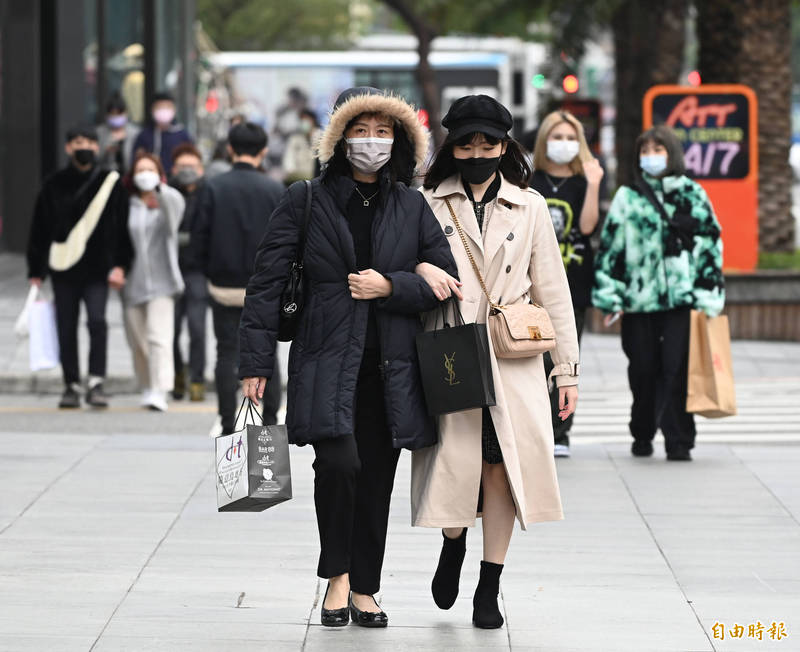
(717,125)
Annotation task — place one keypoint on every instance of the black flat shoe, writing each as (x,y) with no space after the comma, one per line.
(334,617)
(642,448)
(367,618)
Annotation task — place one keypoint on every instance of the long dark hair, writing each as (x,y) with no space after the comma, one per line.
(400,165)
(513,165)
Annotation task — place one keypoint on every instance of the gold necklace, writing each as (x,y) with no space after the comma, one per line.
(366,199)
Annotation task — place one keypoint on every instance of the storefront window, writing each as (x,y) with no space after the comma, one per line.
(124,54)
(90,58)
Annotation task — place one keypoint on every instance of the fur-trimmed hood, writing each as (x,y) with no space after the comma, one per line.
(356,101)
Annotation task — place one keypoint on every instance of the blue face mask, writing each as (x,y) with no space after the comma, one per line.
(653,164)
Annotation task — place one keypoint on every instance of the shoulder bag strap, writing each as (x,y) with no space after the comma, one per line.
(85,185)
(301,243)
(644,188)
(492,304)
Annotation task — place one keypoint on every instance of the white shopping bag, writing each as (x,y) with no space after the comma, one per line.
(21,325)
(43,343)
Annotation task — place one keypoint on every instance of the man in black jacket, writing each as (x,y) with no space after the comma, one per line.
(233,211)
(187,177)
(79,235)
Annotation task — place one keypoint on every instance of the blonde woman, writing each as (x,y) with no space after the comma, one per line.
(496,463)
(568,177)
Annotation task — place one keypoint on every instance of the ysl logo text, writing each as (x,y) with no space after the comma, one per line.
(451,374)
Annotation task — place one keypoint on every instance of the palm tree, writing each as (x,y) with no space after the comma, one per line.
(749,42)
(649,48)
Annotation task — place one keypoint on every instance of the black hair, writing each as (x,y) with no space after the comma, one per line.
(400,165)
(664,136)
(81,131)
(116,104)
(513,164)
(247,138)
(163,96)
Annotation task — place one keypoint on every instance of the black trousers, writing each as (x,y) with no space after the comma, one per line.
(561,428)
(192,305)
(226,373)
(68,296)
(353,480)
(657,346)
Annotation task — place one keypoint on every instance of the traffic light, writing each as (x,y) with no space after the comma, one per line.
(570,84)
(538,81)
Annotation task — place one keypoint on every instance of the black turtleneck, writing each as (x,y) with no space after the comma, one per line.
(480,206)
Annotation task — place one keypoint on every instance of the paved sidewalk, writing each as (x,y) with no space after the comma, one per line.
(109,540)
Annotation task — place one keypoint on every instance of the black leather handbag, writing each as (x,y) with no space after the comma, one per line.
(293,295)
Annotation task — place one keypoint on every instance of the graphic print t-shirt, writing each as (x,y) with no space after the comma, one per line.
(565,205)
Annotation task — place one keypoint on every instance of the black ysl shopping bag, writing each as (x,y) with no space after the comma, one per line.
(252,466)
(455,365)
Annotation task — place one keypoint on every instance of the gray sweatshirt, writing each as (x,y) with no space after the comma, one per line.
(154,234)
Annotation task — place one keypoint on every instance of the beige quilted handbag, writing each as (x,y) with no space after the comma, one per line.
(518,331)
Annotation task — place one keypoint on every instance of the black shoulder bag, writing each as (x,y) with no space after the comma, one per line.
(293,295)
(680,227)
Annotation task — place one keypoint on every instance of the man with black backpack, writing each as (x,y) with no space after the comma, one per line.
(232,215)
(79,235)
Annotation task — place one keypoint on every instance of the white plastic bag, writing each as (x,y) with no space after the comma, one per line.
(43,344)
(21,325)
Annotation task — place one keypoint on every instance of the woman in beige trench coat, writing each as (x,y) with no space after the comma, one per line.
(502,456)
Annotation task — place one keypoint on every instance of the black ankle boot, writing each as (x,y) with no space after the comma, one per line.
(445,581)
(485,612)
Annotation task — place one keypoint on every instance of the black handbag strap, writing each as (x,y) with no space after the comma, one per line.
(458,318)
(301,243)
(645,189)
(251,411)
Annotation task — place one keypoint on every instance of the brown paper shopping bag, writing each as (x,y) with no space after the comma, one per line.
(711,390)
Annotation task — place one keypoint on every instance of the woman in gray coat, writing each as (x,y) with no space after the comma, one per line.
(156,211)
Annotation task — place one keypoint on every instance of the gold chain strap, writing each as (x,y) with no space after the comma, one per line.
(492,304)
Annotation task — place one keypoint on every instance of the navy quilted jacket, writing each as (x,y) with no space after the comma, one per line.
(326,354)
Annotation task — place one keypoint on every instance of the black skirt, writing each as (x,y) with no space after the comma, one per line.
(489,444)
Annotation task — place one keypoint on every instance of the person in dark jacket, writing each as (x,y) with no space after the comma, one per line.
(187,177)
(162,134)
(354,389)
(79,235)
(232,214)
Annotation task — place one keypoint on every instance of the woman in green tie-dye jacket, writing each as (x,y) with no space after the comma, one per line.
(660,257)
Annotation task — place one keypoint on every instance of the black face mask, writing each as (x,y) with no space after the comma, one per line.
(477,170)
(84,156)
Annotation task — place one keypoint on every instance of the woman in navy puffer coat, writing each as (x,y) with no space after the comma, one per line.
(354,389)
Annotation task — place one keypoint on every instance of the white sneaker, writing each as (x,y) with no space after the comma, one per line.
(216,428)
(561,450)
(145,400)
(158,401)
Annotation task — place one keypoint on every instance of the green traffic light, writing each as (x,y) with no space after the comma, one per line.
(538,81)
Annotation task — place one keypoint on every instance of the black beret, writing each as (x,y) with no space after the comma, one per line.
(477,113)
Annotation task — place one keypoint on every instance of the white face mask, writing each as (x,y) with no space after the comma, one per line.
(164,116)
(368,155)
(146,180)
(562,151)
(653,164)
